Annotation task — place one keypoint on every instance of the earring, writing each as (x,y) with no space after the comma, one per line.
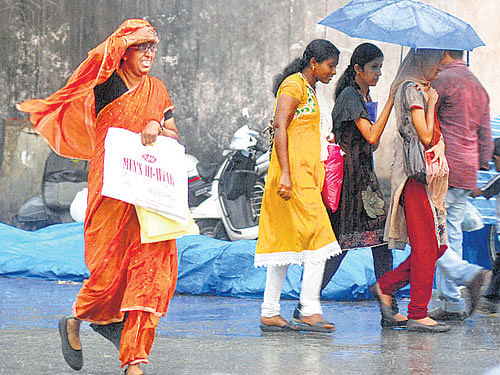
(313,67)
(124,59)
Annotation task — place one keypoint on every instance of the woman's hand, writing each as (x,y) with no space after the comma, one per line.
(285,109)
(430,94)
(438,150)
(393,91)
(150,132)
(476,192)
(433,95)
(142,35)
(285,189)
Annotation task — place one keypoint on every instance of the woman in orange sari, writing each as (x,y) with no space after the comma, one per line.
(130,283)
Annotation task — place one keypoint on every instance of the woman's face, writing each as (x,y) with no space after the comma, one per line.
(139,58)
(433,72)
(371,71)
(325,70)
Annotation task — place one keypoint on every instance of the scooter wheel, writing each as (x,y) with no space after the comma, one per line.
(220,231)
(207,227)
(213,228)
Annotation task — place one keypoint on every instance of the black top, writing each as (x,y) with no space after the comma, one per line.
(113,88)
(349,107)
(108,91)
(360,219)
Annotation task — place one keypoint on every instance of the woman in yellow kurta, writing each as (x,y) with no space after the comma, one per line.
(294,227)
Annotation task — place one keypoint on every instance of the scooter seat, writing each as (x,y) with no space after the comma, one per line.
(207,171)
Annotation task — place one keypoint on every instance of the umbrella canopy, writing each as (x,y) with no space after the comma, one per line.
(405,22)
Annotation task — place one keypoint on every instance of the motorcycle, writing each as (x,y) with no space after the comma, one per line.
(225,198)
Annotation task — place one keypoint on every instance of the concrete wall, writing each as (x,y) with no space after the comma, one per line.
(22,157)
(216,57)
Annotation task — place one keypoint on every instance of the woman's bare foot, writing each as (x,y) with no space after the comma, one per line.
(314,319)
(385,298)
(400,318)
(427,321)
(134,370)
(275,320)
(73,330)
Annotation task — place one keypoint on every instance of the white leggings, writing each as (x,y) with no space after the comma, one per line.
(309,294)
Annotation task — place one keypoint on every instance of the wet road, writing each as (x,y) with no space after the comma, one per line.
(220,335)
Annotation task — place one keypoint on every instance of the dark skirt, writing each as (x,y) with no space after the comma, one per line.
(360,219)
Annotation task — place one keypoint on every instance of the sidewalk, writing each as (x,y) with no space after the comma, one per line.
(220,335)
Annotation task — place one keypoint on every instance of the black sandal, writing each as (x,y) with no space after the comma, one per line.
(73,357)
(385,310)
(111,332)
(288,327)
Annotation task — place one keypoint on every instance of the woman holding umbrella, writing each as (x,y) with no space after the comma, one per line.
(419,183)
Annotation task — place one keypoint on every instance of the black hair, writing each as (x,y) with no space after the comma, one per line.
(320,49)
(456,55)
(496,150)
(362,54)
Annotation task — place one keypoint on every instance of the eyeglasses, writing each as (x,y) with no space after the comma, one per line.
(144,47)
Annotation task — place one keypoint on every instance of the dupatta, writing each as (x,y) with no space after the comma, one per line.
(66,119)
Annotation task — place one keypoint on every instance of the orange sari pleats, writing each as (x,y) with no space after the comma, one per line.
(125,275)
(137,337)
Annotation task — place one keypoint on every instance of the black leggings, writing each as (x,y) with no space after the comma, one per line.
(382,262)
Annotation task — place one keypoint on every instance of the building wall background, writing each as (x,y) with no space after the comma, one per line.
(216,57)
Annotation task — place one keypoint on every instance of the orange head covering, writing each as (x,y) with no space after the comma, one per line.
(67,118)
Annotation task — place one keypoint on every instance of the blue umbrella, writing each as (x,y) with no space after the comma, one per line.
(404,22)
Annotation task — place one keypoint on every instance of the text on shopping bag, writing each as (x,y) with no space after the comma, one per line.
(153,177)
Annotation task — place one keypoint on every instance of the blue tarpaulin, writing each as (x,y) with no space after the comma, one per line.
(206,265)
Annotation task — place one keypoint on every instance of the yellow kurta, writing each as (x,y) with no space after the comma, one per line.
(297,230)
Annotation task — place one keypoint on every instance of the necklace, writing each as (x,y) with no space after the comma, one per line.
(127,83)
(307,82)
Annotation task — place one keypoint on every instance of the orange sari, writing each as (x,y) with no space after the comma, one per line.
(125,275)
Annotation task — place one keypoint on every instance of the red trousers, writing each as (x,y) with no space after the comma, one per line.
(418,268)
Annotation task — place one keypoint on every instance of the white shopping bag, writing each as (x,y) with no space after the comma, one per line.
(153,176)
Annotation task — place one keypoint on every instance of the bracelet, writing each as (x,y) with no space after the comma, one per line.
(161,128)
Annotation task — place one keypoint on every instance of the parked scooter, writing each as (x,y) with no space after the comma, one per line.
(225,198)
(62,180)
